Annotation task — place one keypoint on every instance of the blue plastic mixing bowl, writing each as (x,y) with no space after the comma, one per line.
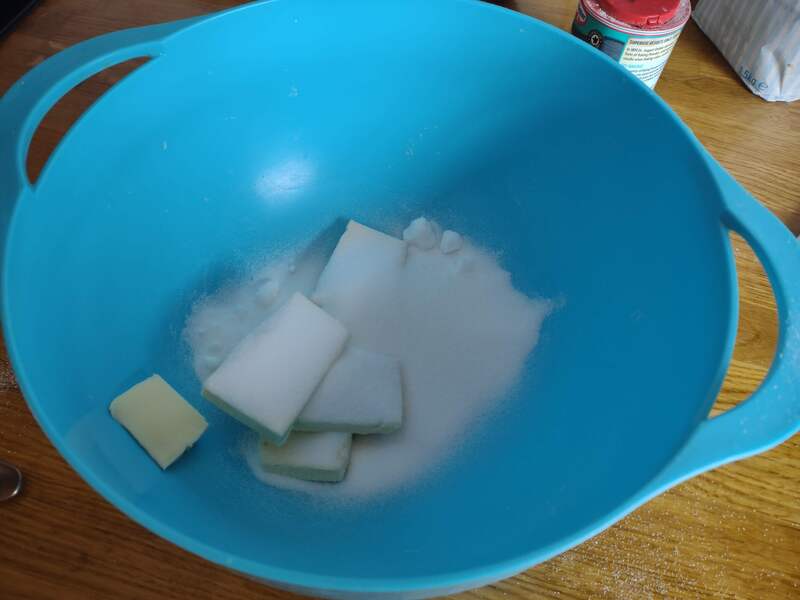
(261,126)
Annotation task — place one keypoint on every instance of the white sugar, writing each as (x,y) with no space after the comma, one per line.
(267,292)
(460,330)
(217,323)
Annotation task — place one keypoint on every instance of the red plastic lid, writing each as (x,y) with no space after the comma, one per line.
(641,13)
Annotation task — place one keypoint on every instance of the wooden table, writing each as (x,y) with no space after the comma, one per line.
(733,533)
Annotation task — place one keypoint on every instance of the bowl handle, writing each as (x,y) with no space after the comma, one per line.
(28,100)
(772,414)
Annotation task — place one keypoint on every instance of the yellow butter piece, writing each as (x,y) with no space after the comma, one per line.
(159,418)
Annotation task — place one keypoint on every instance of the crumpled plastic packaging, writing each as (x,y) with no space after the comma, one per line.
(761,41)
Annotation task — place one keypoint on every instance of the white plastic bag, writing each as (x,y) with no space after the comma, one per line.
(761,41)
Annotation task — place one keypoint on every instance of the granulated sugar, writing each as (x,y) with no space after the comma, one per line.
(461,331)
(217,323)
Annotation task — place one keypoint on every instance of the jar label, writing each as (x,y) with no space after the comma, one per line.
(645,56)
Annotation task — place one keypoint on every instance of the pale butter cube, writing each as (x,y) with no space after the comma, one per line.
(270,375)
(310,456)
(422,233)
(163,423)
(362,393)
(451,242)
(361,254)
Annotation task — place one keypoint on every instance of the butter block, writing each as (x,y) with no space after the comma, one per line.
(309,456)
(361,254)
(451,242)
(421,233)
(163,423)
(270,375)
(362,393)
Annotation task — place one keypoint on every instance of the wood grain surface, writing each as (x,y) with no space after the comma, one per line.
(732,533)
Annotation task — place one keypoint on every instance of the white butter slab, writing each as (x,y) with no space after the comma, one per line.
(360,255)
(309,456)
(270,375)
(362,393)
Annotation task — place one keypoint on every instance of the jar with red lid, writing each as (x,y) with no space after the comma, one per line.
(638,34)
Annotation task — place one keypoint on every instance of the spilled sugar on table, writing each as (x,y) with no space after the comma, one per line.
(731,533)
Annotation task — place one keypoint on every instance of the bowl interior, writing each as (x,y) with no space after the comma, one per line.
(266,125)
